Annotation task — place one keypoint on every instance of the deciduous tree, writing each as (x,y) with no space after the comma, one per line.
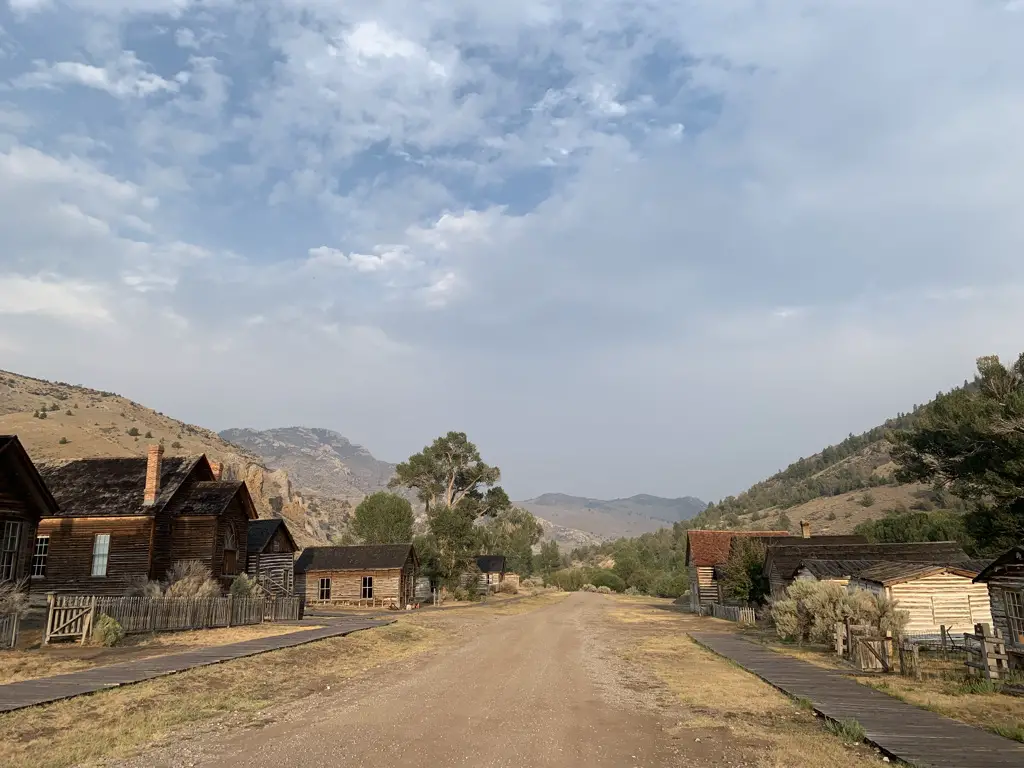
(383,518)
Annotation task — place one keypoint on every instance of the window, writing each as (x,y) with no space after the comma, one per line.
(367,587)
(230,552)
(39,557)
(325,589)
(275,547)
(1015,616)
(100,554)
(9,550)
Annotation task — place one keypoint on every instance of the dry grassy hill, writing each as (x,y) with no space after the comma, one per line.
(55,420)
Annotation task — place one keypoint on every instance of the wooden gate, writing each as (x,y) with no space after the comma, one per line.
(9,630)
(70,618)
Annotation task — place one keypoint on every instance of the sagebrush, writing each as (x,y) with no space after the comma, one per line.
(811,610)
(107,631)
(14,598)
(190,579)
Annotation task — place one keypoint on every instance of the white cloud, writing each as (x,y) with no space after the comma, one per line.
(124,78)
(42,295)
(383,258)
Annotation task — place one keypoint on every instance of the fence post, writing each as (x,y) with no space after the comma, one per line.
(87,626)
(849,638)
(917,663)
(49,618)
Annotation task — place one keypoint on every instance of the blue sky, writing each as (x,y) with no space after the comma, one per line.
(661,247)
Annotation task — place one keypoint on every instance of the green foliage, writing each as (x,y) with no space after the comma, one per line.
(971,442)
(651,564)
(242,587)
(454,541)
(383,518)
(849,730)
(603,577)
(149,435)
(69,412)
(782,523)
(744,579)
(107,631)
(450,473)
(574,579)
(42,415)
(867,500)
(133,432)
(549,558)
(513,533)
(811,609)
(941,525)
(176,445)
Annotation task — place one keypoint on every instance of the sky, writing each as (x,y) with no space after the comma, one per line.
(641,246)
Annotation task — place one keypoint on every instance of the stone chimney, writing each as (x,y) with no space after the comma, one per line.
(217,468)
(155,459)
(805,529)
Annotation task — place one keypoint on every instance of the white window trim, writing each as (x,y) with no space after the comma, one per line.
(35,554)
(105,555)
(1012,620)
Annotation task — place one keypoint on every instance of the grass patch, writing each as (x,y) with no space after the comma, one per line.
(1015,732)
(805,704)
(848,730)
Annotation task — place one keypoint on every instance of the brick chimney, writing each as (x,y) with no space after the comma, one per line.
(805,529)
(155,459)
(217,468)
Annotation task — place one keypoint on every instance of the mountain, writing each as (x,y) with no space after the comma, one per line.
(317,460)
(80,422)
(612,519)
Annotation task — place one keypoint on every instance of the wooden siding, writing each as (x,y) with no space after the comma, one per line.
(704,582)
(937,600)
(347,585)
(777,583)
(1010,581)
(69,563)
(15,507)
(192,538)
(234,517)
(805,575)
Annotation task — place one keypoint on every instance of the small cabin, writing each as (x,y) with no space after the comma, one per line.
(271,551)
(704,551)
(1004,579)
(24,500)
(935,596)
(366,575)
(492,571)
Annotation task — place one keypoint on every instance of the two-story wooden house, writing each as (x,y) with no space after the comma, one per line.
(24,500)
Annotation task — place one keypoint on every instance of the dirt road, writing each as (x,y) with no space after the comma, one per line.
(527,690)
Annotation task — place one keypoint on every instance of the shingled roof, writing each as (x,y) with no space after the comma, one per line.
(112,487)
(786,558)
(211,497)
(709,548)
(366,557)
(836,569)
(262,531)
(1012,560)
(491,563)
(895,573)
(16,461)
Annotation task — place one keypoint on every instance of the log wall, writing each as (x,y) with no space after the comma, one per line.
(346,586)
(998,587)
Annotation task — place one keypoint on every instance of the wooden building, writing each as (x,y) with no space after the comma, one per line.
(933,595)
(124,520)
(271,551)
(1004,578)
(492,571)
(836,571)
(704,551)
(372,574)
(784,559)
(24,500)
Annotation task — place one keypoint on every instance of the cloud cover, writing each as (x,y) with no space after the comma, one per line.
(628,247)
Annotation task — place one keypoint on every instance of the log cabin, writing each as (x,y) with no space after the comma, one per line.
(271,551)
(1004,578)
(492,572)
(933,595)
(784,559)
(371,575)
(704,551)
(24,500)
(122,521)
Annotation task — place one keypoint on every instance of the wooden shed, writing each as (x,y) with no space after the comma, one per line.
(704,551)
(933,595)
(1004,579)
(122,520)
(24,500)
(370,574)
(492,571)
(271,551)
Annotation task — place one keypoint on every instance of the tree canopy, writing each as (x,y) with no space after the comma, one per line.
(383,518)
(513,533)
(971,441)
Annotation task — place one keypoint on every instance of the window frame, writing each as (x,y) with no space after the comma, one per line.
(10,542)
(229,537)
(366,588)
(324,586)
(104,554)
(40,559)
(1013,602)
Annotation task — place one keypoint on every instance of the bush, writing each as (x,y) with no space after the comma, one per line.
(149,435)
(14,597)
(68,412)
(632,591)
(569,579)
(143,587)
(42,414)
(133,432)
(588,588)
(175,445)
(604,577)
(243,587)
(106,631)
(867,499)
(811,610)
(531,583)
(604,590)
(461,594)
(190,579)
(848,730)
(508,588)
(671,585)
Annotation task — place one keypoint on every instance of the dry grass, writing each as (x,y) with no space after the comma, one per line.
(62,658)
(773,730)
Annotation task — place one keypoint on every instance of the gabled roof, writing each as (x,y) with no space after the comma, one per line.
(784,559)
(114,487)
(710,548)
(366,557)
(896,573)
(491,563)
(836,569)
(15,460)
(1012,559)
(211,497)
(262,531)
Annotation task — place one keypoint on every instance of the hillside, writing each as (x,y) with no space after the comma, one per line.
(612,518)
(80,422)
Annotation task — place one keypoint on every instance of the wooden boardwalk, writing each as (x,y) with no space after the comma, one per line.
(28,693)
(901,730)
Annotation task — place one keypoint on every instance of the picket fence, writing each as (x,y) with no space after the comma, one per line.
(9,630)
(73,616)
(733,613)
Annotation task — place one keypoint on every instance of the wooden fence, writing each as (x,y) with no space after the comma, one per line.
(986,653)
(73,616)
(9,630)
(733,613)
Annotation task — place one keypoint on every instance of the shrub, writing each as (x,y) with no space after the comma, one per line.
(811,609)
(847,730)
(632,591)
(133,432)
(14,597)
(588,588)
(63,441)
(604,577)
(42,414)
(149,435)
(106,631)
(69,412)
(190,579)
(143,587)
(461,594)
(569,579)
(604,590)
(175,445)
(509,588)
(243,587)
(830,516)
(867,499)
(531,583)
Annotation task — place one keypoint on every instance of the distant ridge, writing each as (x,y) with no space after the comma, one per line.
(612,518)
